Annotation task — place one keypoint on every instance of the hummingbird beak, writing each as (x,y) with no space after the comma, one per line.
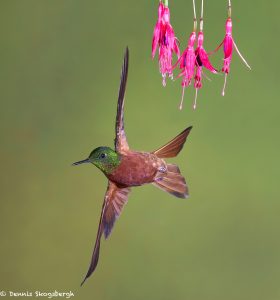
(81,162)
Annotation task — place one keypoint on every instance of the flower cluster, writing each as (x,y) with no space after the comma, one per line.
(193,59)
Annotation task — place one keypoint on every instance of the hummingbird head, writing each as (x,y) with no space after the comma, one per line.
(104,158)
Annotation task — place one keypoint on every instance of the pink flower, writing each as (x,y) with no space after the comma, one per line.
(164,38)
(187,64)
(157,29)
(202,60)
(229,43)
(228,46)
(202,56)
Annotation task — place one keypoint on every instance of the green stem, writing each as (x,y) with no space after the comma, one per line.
(229,8)
(165,2)
(194,17)
(201,16)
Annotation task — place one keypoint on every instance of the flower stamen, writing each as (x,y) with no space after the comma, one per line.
(240,55)
(225,83)
(182,99)
(194,104)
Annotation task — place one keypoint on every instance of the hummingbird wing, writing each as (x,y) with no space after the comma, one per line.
(121,144)
(114,201)
(172,148)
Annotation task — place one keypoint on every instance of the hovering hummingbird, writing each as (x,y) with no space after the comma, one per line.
(126,168)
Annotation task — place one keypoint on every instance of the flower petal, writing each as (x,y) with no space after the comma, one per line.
(205,60)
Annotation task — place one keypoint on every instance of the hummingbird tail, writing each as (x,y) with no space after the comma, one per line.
(172,148)
(172,182)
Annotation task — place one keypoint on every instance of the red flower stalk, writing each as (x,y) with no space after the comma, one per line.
(187,64)
(202,60)
(164,38)
(229,44)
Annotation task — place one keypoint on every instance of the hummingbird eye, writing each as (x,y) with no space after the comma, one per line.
(103,155)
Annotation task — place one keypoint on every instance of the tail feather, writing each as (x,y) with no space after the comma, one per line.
(172,182)
(173,168)
(172,148)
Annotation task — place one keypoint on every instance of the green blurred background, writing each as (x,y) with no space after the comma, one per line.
(59,65)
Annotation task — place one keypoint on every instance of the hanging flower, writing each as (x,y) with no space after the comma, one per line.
(157,29)
(229,44)
(186,64)
(164,39)
(201,55)
(201,60)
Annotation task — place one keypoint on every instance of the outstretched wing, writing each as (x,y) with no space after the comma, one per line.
(114,201)
(121,144)
(172,148)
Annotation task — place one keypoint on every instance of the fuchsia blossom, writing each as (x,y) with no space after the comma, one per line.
(186,64)
(157,29)
(201,55)
(229,43)
(187,61)
(192,60)
(164,38)
(228,46)
(201,60)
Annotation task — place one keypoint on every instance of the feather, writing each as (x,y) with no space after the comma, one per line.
(114,201)
(120,139)
(172,148)
(172,182)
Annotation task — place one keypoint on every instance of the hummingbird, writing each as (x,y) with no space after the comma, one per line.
(126,168)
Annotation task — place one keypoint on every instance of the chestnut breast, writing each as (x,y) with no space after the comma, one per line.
(136,168)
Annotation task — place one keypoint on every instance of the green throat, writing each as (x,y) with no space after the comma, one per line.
(105,159)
